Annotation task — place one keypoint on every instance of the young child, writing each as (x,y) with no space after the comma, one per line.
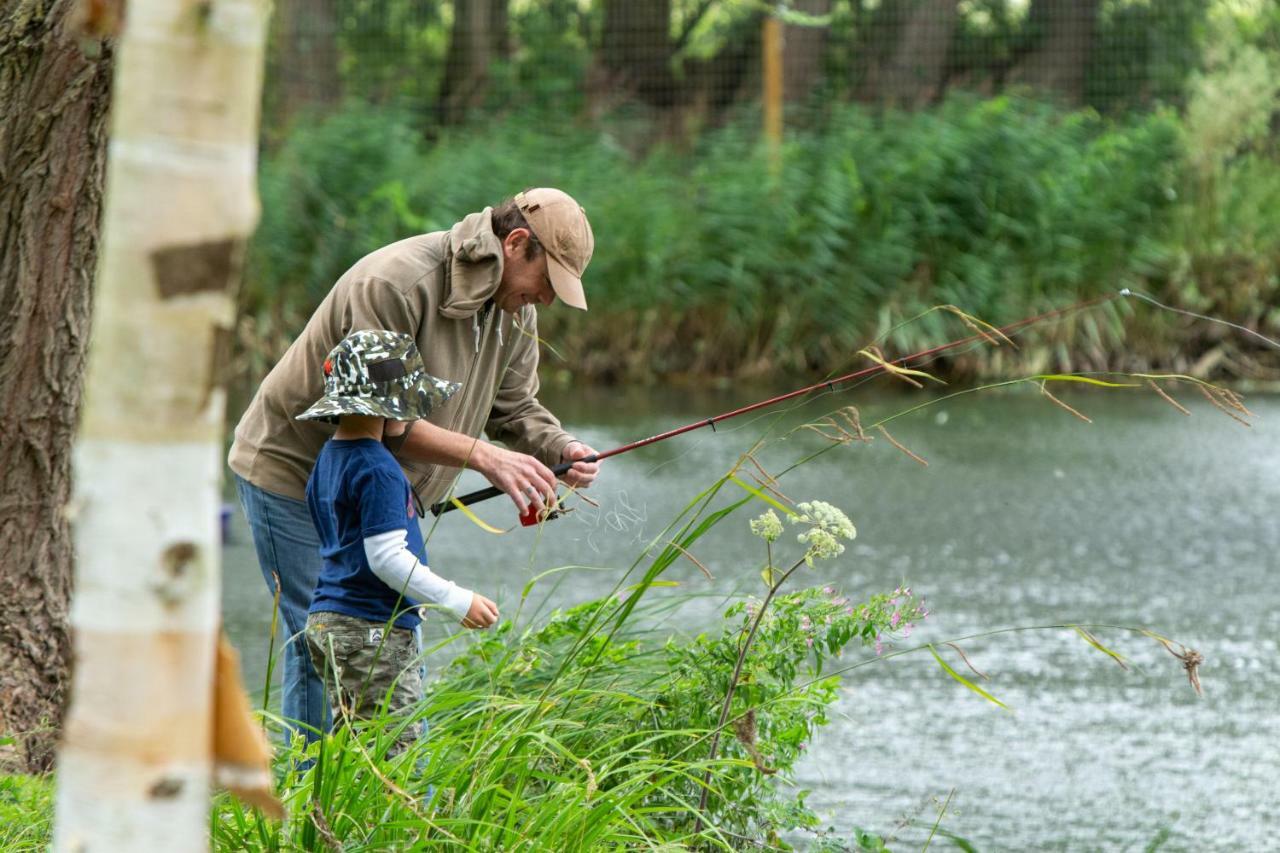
(364,613)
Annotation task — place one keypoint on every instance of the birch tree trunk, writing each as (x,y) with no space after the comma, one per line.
(134,767)
(54,88)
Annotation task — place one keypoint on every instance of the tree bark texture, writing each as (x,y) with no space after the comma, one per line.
(305,66)
(636,49)
(805,48)
(54,94)
(135,760)
(917,68)
(1063,33)
(478,38)
(910,41)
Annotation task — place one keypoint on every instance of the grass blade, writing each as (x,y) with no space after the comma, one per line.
(966,682)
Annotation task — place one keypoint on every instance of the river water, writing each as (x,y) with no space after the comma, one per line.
(1025,516)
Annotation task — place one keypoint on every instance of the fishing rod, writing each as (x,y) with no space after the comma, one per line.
(530,516)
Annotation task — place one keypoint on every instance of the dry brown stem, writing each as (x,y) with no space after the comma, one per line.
(1210,394)
(1168,399)
(1062,405)
(900,446)
(693,560)
(744,728)
(968,662)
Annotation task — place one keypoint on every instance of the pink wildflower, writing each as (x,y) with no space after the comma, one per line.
(879,646)
(895,619)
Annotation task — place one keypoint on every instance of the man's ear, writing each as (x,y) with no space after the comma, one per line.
(513,245)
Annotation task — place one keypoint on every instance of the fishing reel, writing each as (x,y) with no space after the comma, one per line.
(536,513)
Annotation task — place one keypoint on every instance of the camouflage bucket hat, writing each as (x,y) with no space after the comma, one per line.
(379,374)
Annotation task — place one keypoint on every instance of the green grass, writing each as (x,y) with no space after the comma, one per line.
(588,730)
(26,813)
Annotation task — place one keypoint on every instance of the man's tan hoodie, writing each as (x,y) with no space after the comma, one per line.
(436,287)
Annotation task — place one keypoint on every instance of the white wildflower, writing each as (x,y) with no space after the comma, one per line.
(821,545)
(828,525)
(768,526)
(829,518)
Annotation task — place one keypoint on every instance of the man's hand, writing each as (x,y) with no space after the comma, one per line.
(522,477)
(483,613)
(582,474)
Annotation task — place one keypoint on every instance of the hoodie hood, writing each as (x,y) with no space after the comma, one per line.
(474,258)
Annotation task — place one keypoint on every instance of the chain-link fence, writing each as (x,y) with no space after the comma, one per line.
(689,62)
(908,175)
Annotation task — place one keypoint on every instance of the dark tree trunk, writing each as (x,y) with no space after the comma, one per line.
(304,63)
(479,37)
(804,48)
(636,49)
(734,73)
(916,71)
(913,54)
(53,106)
(1063,33)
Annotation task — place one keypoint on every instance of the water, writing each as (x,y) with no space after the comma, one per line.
(1025,516)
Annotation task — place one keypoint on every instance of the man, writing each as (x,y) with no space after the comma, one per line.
(468,297)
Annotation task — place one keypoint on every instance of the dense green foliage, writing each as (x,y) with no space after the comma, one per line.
(26,813)
(712,260)
(589,732)
(541,738)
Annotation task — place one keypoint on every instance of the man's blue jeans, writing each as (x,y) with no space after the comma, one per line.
(289,549)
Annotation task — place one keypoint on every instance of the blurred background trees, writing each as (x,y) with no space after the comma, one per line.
(1000,154)
(447,61)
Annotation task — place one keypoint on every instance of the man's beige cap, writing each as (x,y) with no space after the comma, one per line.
(561,226)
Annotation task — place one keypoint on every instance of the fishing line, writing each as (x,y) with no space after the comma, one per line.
(847,382)
(1271,342)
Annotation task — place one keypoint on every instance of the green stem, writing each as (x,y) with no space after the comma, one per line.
(733,685)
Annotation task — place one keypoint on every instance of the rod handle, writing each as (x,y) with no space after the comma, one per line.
(493,491)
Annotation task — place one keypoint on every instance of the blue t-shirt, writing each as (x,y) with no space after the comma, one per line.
(356,490)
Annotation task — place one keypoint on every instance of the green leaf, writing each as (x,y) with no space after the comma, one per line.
(966,682)
(1066,377)
(1093,641)
(791,513)
(645,585)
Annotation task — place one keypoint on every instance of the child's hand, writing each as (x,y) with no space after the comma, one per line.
(483,613)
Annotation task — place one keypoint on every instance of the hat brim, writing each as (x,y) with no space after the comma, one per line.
(568,287)
(418,401)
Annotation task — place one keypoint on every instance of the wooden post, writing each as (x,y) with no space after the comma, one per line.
(135,766)
(773,78)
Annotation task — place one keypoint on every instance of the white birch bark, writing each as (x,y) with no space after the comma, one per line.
(134,766)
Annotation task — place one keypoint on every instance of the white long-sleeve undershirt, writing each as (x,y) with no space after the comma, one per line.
(396,566)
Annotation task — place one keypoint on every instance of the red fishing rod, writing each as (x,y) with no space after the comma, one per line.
(532,513)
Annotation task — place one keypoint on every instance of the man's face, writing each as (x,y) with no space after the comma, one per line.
(524,281)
